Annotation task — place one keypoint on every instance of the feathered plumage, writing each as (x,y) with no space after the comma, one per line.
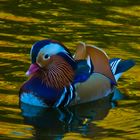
(56,74)
(58,79)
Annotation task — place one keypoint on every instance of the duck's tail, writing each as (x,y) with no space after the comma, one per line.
(119,66)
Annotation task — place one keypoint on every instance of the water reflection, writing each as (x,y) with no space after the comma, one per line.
(54,123)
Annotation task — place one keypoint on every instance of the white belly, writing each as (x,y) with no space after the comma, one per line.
(96,87)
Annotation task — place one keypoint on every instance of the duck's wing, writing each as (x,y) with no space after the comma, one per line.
(98,57)
(80,53)
(119,66)
(100,62)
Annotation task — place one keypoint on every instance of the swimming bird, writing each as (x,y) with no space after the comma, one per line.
(59,79)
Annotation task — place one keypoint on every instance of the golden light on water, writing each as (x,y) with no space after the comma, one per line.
(111,25)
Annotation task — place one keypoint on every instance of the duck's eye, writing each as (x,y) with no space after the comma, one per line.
(46,56)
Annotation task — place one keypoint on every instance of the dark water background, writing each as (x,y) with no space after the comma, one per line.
(109,24)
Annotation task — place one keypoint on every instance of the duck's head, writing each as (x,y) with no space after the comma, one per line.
(52,63)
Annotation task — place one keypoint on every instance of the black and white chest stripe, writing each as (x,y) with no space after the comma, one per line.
(66,97)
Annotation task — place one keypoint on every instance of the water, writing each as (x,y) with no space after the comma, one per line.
(111,25)
(55,123)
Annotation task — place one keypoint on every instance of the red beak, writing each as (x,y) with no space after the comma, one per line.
(32,69)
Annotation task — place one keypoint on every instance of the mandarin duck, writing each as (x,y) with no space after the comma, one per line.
(59,79)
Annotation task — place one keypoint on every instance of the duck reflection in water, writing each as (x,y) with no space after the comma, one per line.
(54,123)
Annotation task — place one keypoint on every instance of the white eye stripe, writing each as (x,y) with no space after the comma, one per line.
(52,49)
